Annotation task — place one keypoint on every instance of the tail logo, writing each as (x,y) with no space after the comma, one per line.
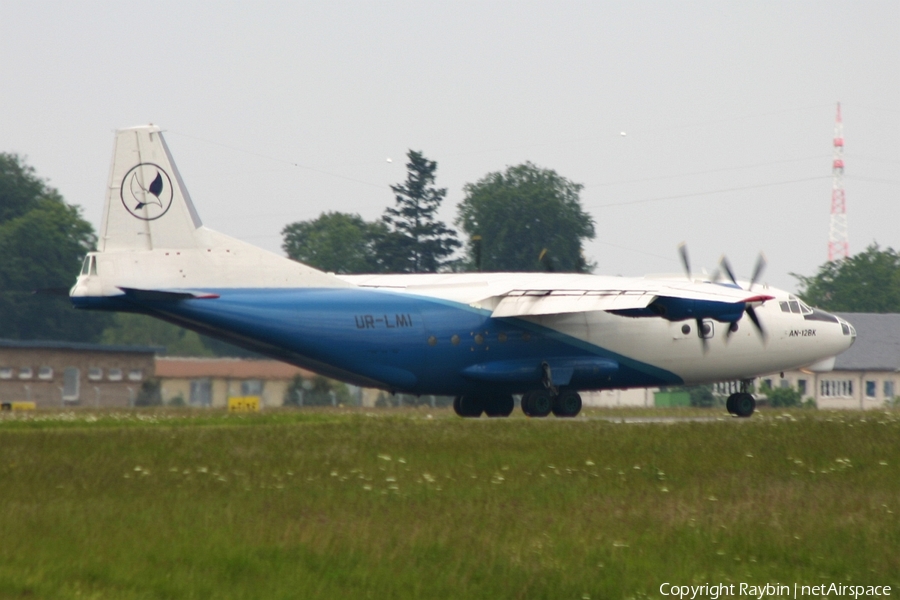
(146,191)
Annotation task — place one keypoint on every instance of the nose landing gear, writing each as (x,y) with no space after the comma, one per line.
(740,404)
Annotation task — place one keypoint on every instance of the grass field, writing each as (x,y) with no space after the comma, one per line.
(422,504)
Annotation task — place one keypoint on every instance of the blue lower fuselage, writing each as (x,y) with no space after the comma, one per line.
(395,341)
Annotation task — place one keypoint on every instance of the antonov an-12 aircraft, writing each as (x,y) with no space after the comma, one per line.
(480,337)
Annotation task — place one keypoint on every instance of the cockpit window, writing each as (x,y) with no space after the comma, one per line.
(795,306)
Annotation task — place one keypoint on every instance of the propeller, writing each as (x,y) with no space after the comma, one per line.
(685,260)
(751,312)
(686,263)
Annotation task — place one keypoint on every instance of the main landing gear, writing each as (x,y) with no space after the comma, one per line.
(497,405)
(740,404)
(537,403)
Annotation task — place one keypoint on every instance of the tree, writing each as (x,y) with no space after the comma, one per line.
(414,241)
(335,241)
(865,282)
(318,391)
(141,330)
(701,395)
(150,393)
(43,242)
(525,219)
(781,397)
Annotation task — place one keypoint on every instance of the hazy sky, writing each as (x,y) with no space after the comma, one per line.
(275,112)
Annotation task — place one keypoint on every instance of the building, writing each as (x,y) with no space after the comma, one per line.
(57,374)
(212,381)
(634,397)
(865,376)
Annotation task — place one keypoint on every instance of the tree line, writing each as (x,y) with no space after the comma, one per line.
(525,218)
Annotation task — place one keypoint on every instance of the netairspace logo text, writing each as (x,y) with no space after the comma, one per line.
(723,590)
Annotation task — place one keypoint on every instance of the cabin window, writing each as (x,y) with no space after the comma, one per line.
(114,375)
(26,373)
(6,373)
(135,375)
(95,373)
(45,373)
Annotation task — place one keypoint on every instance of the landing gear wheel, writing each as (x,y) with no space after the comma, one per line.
(468,406)
(567,404)
(537,403)
(499,405)
(729,404)
(741,404)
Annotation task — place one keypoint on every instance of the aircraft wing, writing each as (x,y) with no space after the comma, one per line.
(521,294)
(547,302)
(525,302)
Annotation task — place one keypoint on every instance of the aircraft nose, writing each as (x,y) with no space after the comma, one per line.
(848,330)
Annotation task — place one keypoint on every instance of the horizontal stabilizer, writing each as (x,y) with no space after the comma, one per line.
(166,295)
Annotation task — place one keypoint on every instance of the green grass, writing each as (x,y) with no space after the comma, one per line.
(421,504)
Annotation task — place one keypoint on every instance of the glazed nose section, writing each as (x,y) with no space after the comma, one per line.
(848,330)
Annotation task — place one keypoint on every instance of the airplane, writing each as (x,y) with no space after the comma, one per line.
(479,337)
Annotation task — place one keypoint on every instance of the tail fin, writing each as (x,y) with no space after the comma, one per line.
(147,205)
(151,237)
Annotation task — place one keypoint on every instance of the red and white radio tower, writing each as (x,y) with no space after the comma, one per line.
(838,246)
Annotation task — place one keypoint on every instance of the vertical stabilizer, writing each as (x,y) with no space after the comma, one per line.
(147,206)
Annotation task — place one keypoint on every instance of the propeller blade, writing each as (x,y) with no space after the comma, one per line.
(753,317)
(727,268)
(757,271)
(702,337)
(732,327)
(685,260)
